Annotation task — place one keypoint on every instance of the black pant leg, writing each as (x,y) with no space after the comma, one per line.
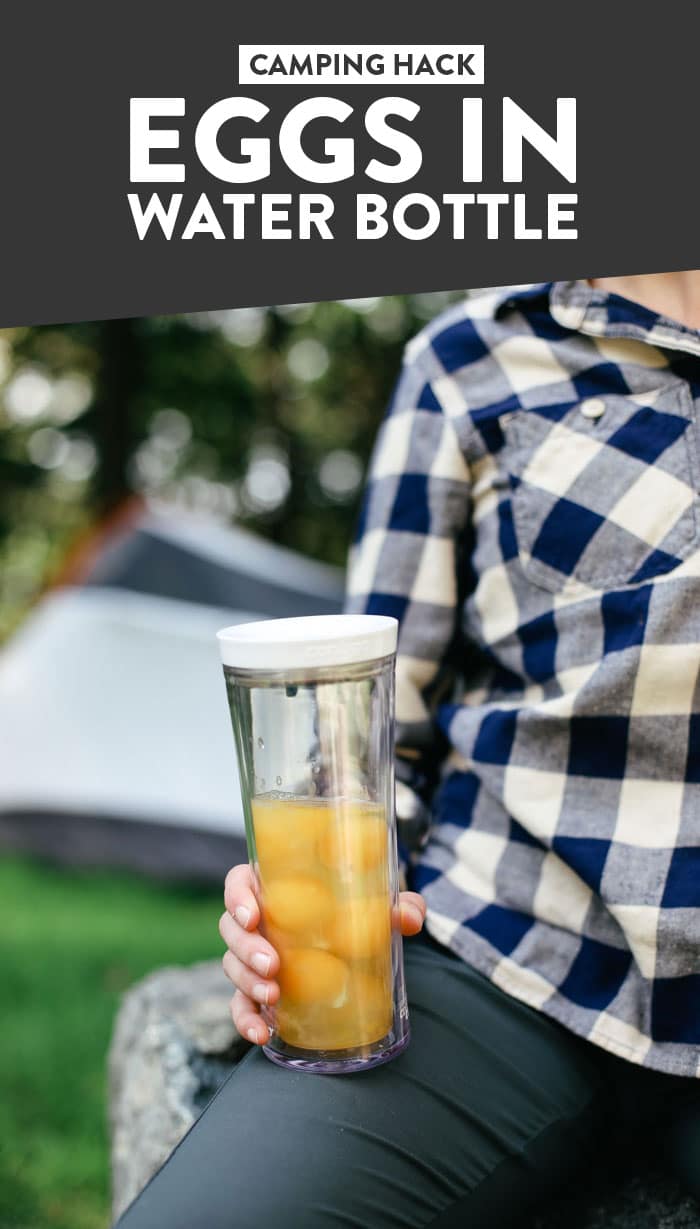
(683,1151)
(651,1119)
(488,1110)
(673,1117)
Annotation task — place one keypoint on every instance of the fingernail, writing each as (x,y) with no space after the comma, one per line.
(253,1035)
(414,915)
(242,915)
(261,991)
(261,963)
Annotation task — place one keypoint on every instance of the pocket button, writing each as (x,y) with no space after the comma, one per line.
(594,407)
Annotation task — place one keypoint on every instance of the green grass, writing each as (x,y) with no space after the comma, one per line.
(70,944)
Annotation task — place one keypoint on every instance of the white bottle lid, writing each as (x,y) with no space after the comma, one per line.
(314,640)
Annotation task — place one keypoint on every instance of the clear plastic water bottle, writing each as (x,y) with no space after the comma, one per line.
(312,704)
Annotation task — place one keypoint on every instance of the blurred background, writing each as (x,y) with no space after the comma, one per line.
(158,478)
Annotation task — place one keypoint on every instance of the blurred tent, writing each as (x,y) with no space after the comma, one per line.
(116,741)
(169,553)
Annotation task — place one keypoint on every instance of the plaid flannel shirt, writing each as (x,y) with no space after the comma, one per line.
(532,520)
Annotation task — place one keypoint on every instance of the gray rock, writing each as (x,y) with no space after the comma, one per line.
(173,1044)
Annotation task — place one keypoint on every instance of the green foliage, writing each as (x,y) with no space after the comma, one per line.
(72,943)
(263,416)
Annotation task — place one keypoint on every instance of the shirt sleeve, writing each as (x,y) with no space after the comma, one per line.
(406,561)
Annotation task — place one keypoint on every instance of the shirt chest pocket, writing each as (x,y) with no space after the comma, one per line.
(604,492)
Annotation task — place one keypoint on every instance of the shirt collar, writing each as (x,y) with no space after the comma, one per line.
(580,307)
(510,297)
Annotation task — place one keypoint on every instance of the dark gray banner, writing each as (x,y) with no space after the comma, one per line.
(69,240)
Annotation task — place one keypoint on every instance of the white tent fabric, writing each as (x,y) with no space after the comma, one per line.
(113,704)
(115,738)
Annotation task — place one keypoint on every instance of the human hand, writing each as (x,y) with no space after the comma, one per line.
(252,963)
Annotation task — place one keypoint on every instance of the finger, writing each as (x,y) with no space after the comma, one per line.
(248,1020)
(252,949)
(414,898)
(411,913)
(249,982)
(239,896)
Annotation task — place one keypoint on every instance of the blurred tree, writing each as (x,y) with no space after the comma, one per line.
(119,378)
(262,416)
